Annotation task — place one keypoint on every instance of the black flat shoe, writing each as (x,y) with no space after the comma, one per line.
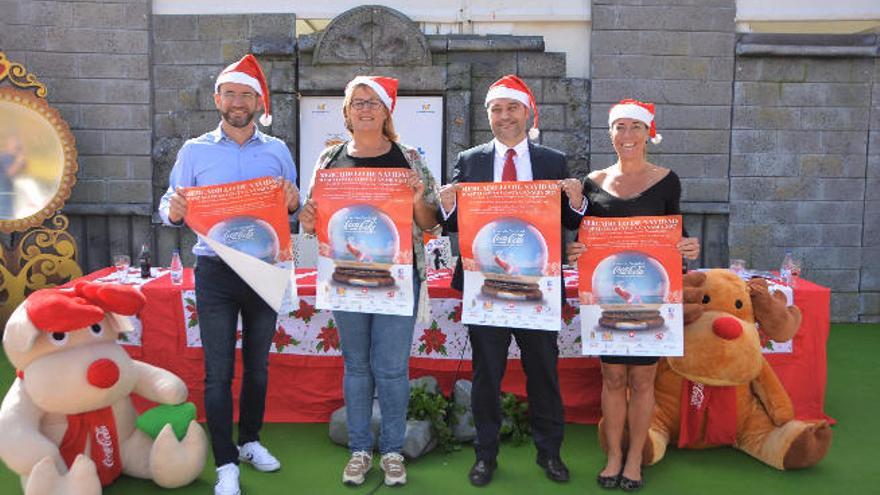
(481,473)
(554,467)
(629,485)
(609,482)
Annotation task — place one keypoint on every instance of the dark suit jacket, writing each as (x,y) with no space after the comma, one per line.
(477,165)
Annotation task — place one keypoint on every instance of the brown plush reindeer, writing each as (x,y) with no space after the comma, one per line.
(723,391)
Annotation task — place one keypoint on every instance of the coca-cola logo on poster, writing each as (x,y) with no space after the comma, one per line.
(105,440)
(361,224)
(509,237)
(629,269)
(243,233)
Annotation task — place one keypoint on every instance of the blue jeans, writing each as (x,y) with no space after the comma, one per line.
(375,349)
(220,295)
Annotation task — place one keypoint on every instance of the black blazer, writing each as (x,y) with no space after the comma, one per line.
(477,164)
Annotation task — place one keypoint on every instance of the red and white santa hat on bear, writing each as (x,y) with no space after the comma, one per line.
(637,110)
(385,87)
(247,71)
(514,88)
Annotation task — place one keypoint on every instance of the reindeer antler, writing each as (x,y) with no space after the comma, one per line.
(121,299)
(63,310)
(777,319)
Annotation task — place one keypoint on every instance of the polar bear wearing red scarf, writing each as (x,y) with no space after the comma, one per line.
(67,422)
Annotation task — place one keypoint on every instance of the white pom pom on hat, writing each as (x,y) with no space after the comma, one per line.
(637,110)
(247,71)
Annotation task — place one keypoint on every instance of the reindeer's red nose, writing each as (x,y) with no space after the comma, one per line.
(727,328)
(103,373)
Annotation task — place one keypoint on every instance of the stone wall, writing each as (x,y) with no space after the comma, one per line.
(677,54)
(869,282)
(800,143)
(94,59)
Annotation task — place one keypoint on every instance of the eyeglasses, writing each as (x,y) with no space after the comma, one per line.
(232,95)
(361,104)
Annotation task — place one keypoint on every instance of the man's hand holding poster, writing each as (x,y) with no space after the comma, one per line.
(630,286)
(365,252)
(246,224)
(509,239)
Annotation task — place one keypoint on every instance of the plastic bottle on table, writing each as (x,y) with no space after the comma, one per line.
(785,269)
(176,268)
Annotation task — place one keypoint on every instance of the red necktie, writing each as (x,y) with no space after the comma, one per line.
(509,172)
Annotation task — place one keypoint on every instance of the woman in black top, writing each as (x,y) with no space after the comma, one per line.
(631,187)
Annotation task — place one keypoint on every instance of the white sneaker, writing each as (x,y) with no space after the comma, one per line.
(357,468)
(395,471)
(257,456)
(227,480)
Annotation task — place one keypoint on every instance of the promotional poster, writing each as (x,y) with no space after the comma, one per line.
(510,243)
(364,229)
(246,224)
(630,286)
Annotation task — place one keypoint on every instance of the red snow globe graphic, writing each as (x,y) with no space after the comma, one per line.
(630,287)
(249,235)
(364,243)
(512,255)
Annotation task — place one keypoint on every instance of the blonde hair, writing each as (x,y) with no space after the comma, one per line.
(387,127)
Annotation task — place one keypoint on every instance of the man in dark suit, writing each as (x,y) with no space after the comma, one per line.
(510,156)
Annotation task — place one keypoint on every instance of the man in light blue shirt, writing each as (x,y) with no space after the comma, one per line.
(235,151)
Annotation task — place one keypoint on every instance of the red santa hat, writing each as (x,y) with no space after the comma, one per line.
(514,88)
(385,87)
(247,71)
(637,110)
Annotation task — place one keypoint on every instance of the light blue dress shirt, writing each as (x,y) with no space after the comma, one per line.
(213,158)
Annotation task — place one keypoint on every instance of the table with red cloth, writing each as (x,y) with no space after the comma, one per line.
(305,370)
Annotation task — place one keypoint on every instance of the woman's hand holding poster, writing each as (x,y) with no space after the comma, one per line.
(509,239)
(365,252)
(246,224)
(630,286)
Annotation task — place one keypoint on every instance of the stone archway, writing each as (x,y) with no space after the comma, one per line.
(372,35)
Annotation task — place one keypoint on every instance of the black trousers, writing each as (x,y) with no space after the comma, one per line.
(220,295)
(539,353)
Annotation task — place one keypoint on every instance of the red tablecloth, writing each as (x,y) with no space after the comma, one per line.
(307,388)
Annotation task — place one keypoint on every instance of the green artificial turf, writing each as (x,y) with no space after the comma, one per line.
(313,465)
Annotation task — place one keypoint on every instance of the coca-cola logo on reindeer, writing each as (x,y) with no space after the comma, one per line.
(105,440)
